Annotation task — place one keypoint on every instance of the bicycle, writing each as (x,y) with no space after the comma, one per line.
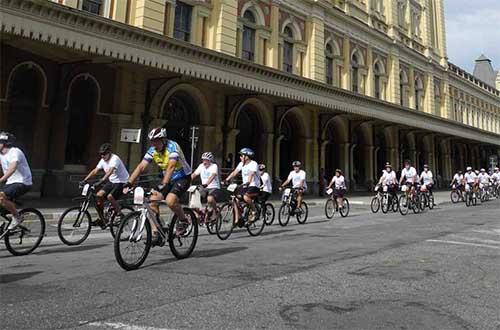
(289,208)
(75,223)
(25,237)
(254,221)
(203,214)
(408,200)
(389,201)
(376,200)
(485,192)
(456,194)
(426,198)
(135,230)
(470,195)
(331,205)
(269,212)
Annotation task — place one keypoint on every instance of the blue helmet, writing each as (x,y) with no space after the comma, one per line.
(247,152)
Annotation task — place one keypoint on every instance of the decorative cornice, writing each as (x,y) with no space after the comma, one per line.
(51,23)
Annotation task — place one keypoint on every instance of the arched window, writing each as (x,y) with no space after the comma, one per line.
(182,21)
(288,50)
(355,73)
(437,98)
(93,6)
(419,87)
(248,49)
(329,64)
(403,85)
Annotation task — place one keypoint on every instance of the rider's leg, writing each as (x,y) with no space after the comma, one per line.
(114,203)
(155,196)
(300,197)
(8,205)
(176,207)
(99,202)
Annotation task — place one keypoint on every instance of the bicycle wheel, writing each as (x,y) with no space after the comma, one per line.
(269,213)
(74,226)
(225,222)
(114,222)
(27,236)
(284,215)
(183,245)
(474,199)
(132,243)
(431,201)
(329,208)
(344,210)
(415,204)
(454,196)
(404,204)
(468,199)
(212,225)
(423,202)
(256,227)
(302,213)
(375,204)
(385,205)
(395,204)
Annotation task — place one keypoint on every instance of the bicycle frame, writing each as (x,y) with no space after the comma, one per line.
(147,214)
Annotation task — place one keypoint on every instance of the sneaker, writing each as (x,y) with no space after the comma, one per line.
(16,221)
(181,228)
(156,239)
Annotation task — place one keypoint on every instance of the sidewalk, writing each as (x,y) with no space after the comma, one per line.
(52,208)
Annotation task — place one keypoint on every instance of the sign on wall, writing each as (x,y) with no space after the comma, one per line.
(130,135)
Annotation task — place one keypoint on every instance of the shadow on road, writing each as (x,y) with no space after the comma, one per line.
(8,278)
(71,249)
(217,252)
(266,233)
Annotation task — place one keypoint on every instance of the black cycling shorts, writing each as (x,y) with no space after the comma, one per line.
(216,193)
(264,196)
(251,191)
(339,193)
(177,187)
(15,190)
(113,189)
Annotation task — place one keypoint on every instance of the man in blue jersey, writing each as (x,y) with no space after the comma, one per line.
(167,154)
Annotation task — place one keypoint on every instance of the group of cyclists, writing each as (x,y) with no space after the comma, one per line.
(476,182)
(177,176)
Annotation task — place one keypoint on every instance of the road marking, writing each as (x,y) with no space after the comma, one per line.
(474,239)
(463,243)
(123,326)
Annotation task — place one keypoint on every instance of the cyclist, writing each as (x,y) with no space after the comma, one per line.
(426,178)
(168,156)
(251,179)
(208,171)
(409,173)
(384,171)
(16,176)
(484,179)
(495,178)
(298,179)
(389,179)
(470,179)
(115,177)
(339,187)
(267,187)
(458,180)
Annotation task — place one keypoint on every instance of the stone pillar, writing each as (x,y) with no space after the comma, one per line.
(370,88)
(273,44)
(346,79)
(429,93)
(345,151)
(315,55)
(268,157)
(393,93)
(225,23)
(411,82)
(369,165)
(150,15)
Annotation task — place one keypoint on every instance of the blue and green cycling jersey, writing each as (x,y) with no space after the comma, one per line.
(172,151)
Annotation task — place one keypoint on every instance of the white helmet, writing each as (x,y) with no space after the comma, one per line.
(469,168)
(157,133)
(208,156)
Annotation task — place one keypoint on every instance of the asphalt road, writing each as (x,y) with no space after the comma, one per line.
(437,270)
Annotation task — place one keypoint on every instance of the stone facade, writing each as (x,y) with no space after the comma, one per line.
(384,91)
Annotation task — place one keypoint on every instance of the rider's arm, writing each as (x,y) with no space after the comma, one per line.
(250,177)
(108,174)
(138,171)
(211,178)
(12,168)
(91,174)
(287,181)
(169,171)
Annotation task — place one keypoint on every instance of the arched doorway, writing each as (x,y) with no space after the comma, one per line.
(332,161)
(24,100)
(179,113)
(250,130)
(82,106)
(358,173)
(289,145)
(380,153)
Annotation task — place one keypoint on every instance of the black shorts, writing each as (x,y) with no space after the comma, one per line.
(339,193)
(251,191)
(177,187)
(113,189)
(216,193)
(264,196)
(15,190)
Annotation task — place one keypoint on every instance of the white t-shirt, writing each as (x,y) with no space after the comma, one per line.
(484,178)
(266,183)
(246,170)
(338,182)
(458,178)
(426,177)
(496,177)
(470,177)
(296,178)
(389,178)
(22,173)
(206,172)
(120,174)
(409,173)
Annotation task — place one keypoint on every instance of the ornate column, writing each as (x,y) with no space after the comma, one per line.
(315,55)
(346,79)
(370,88)
(411,82)
(273,44)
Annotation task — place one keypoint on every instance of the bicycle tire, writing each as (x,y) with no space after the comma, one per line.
(403,205)
(126,238)
(303,214)
(344,211)
(431,202)
(395,204)
(61,227)
(284,214)
(173,238)
(454,196)
(226,218)
(256,227)
(11,247)
(375,204)
(329,208)
(269,213)
(385,204)
(114,225)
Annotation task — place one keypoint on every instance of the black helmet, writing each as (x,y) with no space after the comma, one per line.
(247,152)
(7,139)
(105,148)
(262,167)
